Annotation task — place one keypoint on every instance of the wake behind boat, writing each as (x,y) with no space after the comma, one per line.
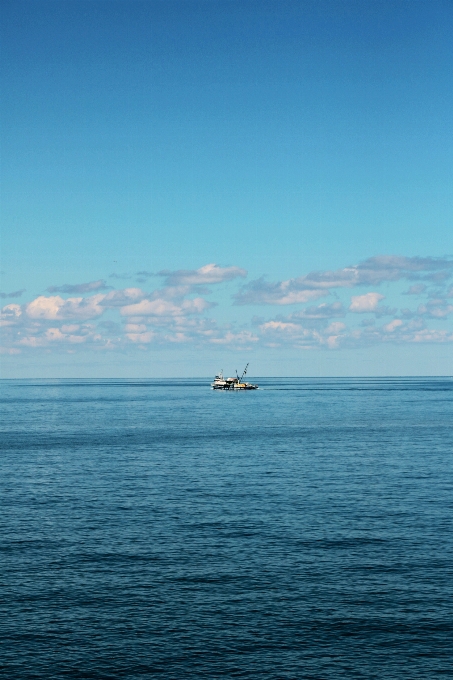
(237,383)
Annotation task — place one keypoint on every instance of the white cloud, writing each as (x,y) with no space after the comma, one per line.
(135,328)
(45,307)
(322,311)
(171,314)
(299,296)
(335,327)
(435,308)
(55,335)
(229,338)
(365,303)
(288,292)
(143,338)
(209,274)
(165,308)
(286,332)
(70,328)
(118,298)
(393,325)
(32,341)
(416,289)
(54,307)
(282,326)
(10,315)
(371,272)
(427,335)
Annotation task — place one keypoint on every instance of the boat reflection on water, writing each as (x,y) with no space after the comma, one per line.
(237,383)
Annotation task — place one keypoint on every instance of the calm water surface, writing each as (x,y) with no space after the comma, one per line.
(159,529)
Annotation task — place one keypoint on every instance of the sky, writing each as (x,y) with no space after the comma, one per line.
(194,185)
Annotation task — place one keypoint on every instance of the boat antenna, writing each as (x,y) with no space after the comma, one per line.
(245,371)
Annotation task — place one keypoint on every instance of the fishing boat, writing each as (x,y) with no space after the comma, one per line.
(237,383)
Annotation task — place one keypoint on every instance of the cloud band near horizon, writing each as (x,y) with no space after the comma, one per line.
(94,315)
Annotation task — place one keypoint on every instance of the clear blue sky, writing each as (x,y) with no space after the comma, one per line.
(274,139)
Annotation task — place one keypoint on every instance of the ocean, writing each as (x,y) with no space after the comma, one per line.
(160,529)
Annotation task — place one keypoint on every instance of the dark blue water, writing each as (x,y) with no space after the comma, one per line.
(159,529)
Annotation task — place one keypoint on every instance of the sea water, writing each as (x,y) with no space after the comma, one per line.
(160,529)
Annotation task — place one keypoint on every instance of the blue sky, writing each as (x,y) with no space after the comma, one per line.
(280,171)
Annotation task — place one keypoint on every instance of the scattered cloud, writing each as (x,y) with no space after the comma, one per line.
(435,308)
(161,307)
(322,311)
(209,274)
(144,337)
(10,315)
(427,335)
(370,272)
(89,287)
(54,307)
(14,294)
(390,327)
(121,277)
(261,292)
(278,333)
(143,276)
(94,315)
(365,303)
(119,298)
(416,289)
(56,335)
(375,270)
(337,335)
(240,338)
